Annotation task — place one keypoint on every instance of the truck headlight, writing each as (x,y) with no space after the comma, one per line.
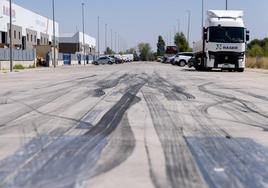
(211,56)
(241,57)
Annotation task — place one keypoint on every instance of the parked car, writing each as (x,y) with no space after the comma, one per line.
(160,59)
(171,51)
(116,59)
(104,60)
(183,58)
(170,59)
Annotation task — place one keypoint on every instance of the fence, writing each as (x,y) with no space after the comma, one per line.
(69,59)
(18,55)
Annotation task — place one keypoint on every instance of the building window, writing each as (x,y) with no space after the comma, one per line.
(27,37)
(19,35)
(41,40)
(35,38)
(15,34)
(31,38)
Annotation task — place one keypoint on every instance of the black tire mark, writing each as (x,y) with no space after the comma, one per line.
(107,84)
(79,81)
(46,98)
(238,115)
(121,145)
(231,164)
(213,151)
(225,96)
(168,89)
(260,97)
(180,167)
(76,156)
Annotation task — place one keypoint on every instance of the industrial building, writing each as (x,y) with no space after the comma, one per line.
(73,43)
(28,28)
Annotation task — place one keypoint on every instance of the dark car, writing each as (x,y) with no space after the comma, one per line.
(116,59)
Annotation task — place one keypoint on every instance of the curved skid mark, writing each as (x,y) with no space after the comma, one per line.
(66,160)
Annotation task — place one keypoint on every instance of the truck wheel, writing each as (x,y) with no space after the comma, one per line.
(182,63)
(240,70)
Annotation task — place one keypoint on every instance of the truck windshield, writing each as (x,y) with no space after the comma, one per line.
(227,34)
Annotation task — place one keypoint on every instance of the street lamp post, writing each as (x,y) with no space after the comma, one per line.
(83,24)
(115,44)
(105,37)
(179,25)
(226,4)
(170,40)
(98,36)
(54,35)
(10,36)
(111,39)
(118,43)
(189,23)
(202,17)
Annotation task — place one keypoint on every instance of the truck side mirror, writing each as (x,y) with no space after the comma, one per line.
(205,34)
(247,36)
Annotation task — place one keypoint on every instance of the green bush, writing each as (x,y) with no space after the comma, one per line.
(31,66)
(18,67)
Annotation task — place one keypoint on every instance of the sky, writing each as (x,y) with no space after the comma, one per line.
(144,20)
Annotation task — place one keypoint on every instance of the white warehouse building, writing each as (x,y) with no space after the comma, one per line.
(73,43)
(28,28)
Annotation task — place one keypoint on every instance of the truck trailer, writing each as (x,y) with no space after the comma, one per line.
(224,42)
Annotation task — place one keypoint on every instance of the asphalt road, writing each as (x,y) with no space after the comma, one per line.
(139,125)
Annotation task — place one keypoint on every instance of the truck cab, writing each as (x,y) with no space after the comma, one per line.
(224,41)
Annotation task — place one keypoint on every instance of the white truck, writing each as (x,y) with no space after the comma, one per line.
(128,57)
(224,42)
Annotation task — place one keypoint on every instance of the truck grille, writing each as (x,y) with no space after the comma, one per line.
(226,58)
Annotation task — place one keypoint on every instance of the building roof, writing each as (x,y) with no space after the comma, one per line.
(26,19)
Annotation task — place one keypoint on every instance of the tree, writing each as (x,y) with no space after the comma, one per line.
(161,45)
(256,50)
(145,51)
(258,47)
(181,42)
(109,51)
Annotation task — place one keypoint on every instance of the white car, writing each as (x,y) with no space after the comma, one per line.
(104,60)
(170,59)
(183,58)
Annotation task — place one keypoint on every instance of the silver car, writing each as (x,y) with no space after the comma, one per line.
(104,60)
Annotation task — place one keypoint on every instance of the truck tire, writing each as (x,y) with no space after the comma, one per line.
(240,70)
(182,63)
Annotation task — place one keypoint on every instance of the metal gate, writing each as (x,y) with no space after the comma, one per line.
(67,59)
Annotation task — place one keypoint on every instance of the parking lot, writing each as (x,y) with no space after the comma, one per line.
(133,125)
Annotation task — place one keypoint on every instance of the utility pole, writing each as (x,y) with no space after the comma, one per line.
(226,4)
(10,36)
(112,39)
(118,43)
(105,37)
(189,23)
(98,36)
(174,27)
(83,23)
(179,25)
(170,40)
(54,35)
(115,40)
(202,17)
